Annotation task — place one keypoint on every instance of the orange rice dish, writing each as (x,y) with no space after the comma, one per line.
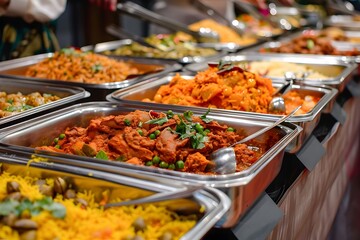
(229,88)
(84,67)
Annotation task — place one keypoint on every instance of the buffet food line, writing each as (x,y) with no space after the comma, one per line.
(120,135)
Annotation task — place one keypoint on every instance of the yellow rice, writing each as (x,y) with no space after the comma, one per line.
(93,222)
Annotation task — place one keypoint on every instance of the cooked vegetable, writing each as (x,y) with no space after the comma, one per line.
(78,214)
(226,86)
(14,103)
(77,66)
(184,142)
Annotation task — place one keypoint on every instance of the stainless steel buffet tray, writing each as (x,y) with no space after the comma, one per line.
(261,48)
(17,69)
(135,94)
(214,203)
(346,22)
(243,188)
(338,71)
(68,94)
(221,48)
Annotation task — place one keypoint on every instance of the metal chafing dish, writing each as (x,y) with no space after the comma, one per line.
(274,44)
(17,68)
(243,187)
(68,94)
(346,22)
(136,93)
(214,203)
(339,72)
(107,49)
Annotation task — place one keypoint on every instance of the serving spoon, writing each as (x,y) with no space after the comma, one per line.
(224,159)
(277,103)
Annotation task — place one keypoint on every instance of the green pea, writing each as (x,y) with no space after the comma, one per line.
(163,164)
(199,128)
(171,166)
(170,114)
(149,163)
(157,132)
(62,136)
(57,146)
(152,136)
(140,132)
(179,164)
(230,129)
(56,140)
(156,160)
(127,122)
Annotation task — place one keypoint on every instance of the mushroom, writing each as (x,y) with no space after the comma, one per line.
(60,185)
(25,224)
(12,187)
(9,220)
(28,235)
(166,236)
(70,193)
(83,203)
(14,196)
(139,224)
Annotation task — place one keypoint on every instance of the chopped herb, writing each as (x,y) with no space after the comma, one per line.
(159,121)
(26,107)
(198,141)
(34,208)
(11,109)
(127,122)
(225,67)
(121,158)
(11,101)
(204,117)
(97,68)
(187,115)
(102,155)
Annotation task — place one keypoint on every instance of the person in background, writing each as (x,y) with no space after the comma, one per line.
(27,27)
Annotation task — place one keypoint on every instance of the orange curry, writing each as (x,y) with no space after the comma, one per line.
(180,142)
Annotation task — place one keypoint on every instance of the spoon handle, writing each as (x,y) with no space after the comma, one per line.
(265,129)
(143,13)
(162,196)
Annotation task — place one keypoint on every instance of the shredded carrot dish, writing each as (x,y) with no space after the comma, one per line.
(226,86)
(77,66)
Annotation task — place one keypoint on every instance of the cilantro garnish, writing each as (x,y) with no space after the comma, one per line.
(102,155)
(204,117)
(97,68)
(34,208)
(159,121)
